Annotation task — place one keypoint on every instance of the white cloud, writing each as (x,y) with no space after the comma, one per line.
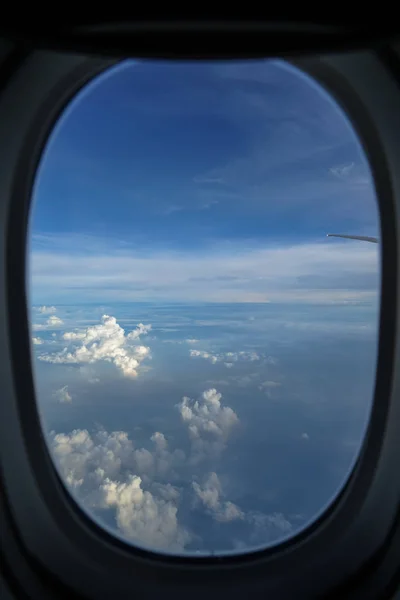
(228,358)
(142,517)
(268,387)
(342,171)
(241,381)
(174,208)
(269,384)
(161,462)
(105,472)
(354,177)
(321,272)
(106,341)
(63,394)
(209,423)
(99,470)
(37,341)
(267,528)
(80,455)
(46,310)
(202,354)
(89,374)
(52,322)
(261,528)
(210,495)
(192,341)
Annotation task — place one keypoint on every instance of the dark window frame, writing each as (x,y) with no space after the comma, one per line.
(50,526)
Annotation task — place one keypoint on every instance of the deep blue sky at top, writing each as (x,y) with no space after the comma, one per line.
(181,155)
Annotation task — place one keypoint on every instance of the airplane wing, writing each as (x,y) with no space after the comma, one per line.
(363,238)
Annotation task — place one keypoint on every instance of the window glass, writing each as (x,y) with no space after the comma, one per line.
(204,355)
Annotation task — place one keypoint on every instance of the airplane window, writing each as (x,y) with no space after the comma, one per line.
(204,354)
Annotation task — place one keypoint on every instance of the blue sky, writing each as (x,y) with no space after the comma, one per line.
(204,354)
(182,164)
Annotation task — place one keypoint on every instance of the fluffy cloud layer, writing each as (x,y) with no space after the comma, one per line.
(52,322)
(209,423)
(106,341)
(99,470)
(106,472)
(325,272)
(37,341)
(228,358)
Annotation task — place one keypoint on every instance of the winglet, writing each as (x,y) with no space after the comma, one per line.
(362,238)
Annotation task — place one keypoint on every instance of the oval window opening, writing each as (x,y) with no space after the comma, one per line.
(204,355)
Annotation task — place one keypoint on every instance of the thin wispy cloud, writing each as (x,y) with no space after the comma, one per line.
(175,208)
(223,272)
(208,180)
(342,171)
(63,395)
(353,176)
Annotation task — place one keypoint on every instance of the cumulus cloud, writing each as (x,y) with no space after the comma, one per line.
(99,470)
(46,310)
(192,341)
(259,528)
(144,518)
(210,495)
(37,341)
(161,462)
(82,456)
(63,395)
(103,342)
(202,354)
(52,322)
(105,472)
(209,423)
(228,358)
